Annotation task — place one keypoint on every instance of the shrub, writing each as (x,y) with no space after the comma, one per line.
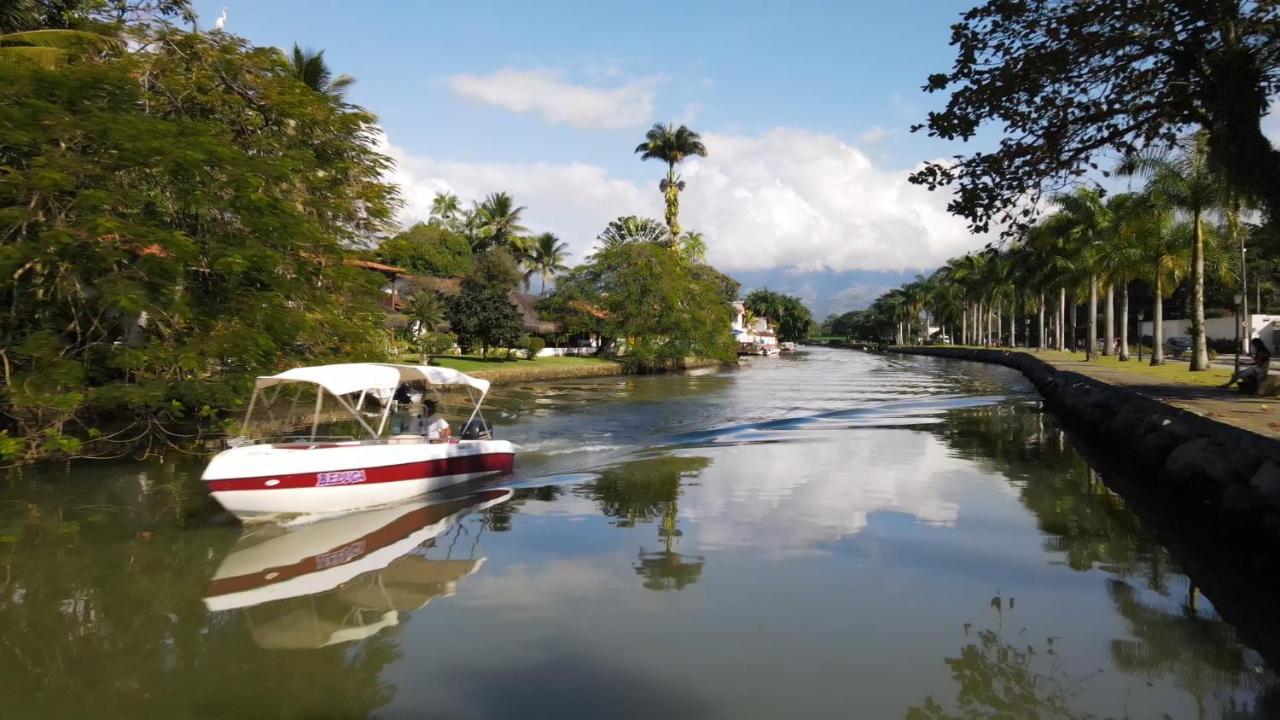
(535,345)
(435,343)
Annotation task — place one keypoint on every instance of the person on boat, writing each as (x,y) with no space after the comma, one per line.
(435,428)
(1251,377)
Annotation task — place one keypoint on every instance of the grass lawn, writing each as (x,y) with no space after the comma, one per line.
(1173,371)
(514,369)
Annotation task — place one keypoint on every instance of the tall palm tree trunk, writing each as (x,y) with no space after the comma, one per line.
(1062,318)
(999,307)
(1124,322)
(964,325)
(899,338)
(1013,319)
(1199,351)
(1109,326)
(1091,342)
(1072,319)
(1040,325)
(1157,323)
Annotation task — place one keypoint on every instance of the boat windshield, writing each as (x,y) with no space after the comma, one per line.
(305,413)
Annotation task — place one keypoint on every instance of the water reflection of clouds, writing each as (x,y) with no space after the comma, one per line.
(538,590)
(795,496)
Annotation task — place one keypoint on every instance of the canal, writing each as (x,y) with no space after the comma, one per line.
(828,534)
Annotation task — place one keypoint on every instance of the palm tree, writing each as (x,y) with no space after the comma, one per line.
(547,255)
(671,145)
(309,67)
(445,206)
(1121,257)
(693,246)
(1087,225)
(1164,249)
(497,222)
(1186,181)
(632,228)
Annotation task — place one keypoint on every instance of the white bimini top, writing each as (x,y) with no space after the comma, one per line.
(345,378)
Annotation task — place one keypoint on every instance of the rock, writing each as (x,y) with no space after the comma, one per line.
(1196,460)
(1243,499)
(1155,447)
(1267,481)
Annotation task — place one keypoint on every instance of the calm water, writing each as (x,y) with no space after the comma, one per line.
(833,534)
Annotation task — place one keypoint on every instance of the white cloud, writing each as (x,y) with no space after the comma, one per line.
(788,199)
(873,136)
(545,92)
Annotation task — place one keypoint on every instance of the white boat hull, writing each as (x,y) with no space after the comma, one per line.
(267,482)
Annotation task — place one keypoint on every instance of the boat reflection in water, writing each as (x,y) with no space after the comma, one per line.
(346,578)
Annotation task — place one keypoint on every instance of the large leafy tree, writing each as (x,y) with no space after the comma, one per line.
(429,249)
(652,299)
(482,315)
(788,312)
(671,145)
(163,242)
(1072,81)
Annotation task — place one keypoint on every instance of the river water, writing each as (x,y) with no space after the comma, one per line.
(828,534)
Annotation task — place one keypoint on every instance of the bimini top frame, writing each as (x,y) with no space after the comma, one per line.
(379,379)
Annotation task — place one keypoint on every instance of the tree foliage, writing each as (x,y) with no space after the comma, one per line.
(163,241)
(482,315)
(786,312)
(671,145)
(652,299)
(429,249)
(1069,81)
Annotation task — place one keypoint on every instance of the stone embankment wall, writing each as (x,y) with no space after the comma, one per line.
(1223,478)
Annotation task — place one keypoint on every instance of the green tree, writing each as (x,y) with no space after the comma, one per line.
(653,300)
(445,207)
(788,312)
(163,242)
(546,258)
(429,249)
(1071,82)
(310,68)
(633,229)
(671,145)
(482,314)
(497,222)
(1187,181)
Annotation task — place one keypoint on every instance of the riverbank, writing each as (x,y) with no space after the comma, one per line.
(1220,476)
(509,371)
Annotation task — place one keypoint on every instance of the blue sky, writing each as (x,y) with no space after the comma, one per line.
(805,108)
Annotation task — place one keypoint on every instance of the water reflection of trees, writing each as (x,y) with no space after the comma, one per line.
(645,491)
(101,615)
(1000,674)
(1090,528)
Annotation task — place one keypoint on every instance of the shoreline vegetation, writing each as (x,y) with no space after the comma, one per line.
(511,371)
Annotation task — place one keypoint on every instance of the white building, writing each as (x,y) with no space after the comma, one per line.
(1263,327)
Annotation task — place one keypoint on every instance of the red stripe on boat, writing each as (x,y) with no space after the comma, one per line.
(440,467)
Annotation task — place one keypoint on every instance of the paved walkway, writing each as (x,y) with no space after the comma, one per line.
(1259,415)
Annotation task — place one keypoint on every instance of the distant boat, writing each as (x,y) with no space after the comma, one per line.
(786,346)
(267,478)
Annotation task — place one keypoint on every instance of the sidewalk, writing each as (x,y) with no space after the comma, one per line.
(1172,384)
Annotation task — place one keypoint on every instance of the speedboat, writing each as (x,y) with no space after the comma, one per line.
(281,467)
(345,578)
(786,346)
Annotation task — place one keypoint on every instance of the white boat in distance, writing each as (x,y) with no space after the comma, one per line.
(269,478)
